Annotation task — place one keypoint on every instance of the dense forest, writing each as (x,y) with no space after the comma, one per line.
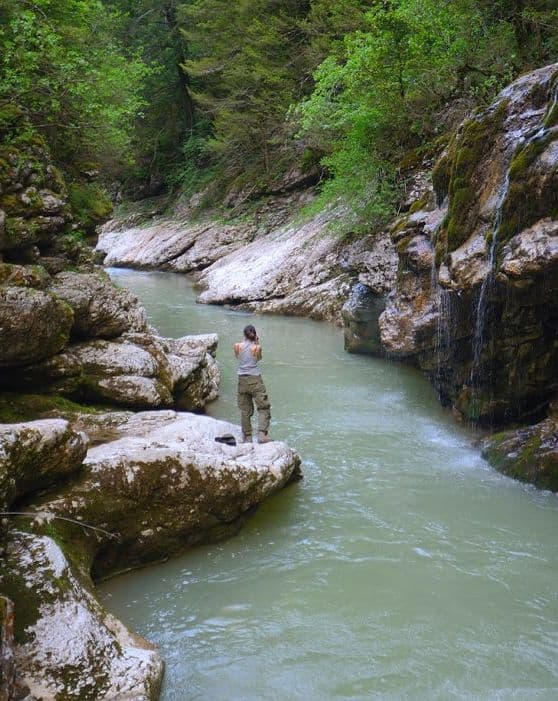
(177,94)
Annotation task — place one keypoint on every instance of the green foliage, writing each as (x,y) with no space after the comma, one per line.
(90,204)
(60,59)
(243,74)
(180,92)
(399,70)
(149,28)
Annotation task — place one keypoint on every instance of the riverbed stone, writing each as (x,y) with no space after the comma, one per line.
(529,454)
(36,454)
(154,483)
(33,325)
(164,484)
(137,370)
(101,310)
(360,319)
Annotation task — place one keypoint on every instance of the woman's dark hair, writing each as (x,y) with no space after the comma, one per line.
(250,332)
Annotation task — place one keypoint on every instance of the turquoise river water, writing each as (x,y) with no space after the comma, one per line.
(401,567)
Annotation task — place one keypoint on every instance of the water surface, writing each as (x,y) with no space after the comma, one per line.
(402,567)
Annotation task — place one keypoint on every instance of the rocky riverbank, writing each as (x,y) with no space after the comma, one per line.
(93,491)
(274,259)
(157,484)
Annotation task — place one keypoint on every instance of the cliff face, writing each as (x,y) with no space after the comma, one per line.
(476,298)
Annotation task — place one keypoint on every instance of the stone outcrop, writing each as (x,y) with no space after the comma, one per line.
(101,310)
(81,337)
(154,484)
(273,261)
(529,454)
(135,370)
(476,299)
(34,325)
(360,320)
(37,454)
(66,644)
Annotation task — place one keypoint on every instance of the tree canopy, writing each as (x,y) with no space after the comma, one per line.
(167,93)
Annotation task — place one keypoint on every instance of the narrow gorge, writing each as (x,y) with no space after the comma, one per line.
(406,564)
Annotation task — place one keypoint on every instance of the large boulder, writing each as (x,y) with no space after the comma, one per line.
(136,370)
(36,454)
(66,645)
(101,310)
(164,484)
(360,318)
(529,454)
(34,325)
(33,195)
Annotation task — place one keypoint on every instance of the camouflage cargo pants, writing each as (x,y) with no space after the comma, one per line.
(251,390)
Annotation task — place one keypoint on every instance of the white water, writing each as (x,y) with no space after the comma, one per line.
(402,567)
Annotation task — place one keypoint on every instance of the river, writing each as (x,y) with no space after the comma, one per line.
(401,567)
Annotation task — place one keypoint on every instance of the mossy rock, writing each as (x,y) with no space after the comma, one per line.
(527,454)
(457,173)
(421,155)
(18,233)
(532,192)
(90,204)
(16,407)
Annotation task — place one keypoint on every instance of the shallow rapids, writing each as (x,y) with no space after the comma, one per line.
(402,567)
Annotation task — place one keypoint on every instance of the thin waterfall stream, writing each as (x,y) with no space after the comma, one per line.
(401,567)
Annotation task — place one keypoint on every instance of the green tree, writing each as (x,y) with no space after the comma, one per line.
(61,61)
(384,94)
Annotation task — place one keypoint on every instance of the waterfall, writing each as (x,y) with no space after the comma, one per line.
(487,285)
(482,307)
(441,299)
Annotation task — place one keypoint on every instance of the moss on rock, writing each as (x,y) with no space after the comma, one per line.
(527,454)
(16,407)
(90,204)
(458,174)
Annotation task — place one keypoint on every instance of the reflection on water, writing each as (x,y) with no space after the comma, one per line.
(402,567)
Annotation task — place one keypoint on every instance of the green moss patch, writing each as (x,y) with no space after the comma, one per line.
(15,407)
(457,173)
(90,204)
(531,195)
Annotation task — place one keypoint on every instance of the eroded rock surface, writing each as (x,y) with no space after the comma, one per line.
(164,484)
(33,325)
(476,299)
(529,454)
(36,454)
(101,310)
(272,262)
(154,484)
(136,370)
(66,645)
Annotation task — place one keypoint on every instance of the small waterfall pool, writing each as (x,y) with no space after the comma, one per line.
(402,566)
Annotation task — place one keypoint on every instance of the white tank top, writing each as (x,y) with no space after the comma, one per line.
(247,363)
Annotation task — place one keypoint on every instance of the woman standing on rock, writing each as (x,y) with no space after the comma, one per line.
(251,388)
